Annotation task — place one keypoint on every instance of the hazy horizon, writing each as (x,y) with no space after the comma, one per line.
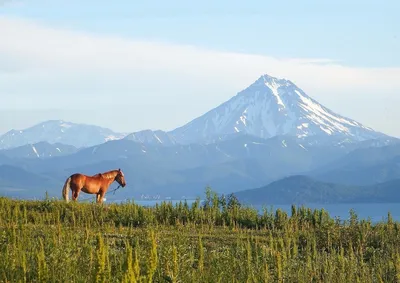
(137,66)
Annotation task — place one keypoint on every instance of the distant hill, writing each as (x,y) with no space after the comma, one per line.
(364,157)
(303,190)
(363,166)
(363,175)
(145,178)
(17,182)
(39,150)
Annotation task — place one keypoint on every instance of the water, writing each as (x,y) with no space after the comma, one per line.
(374,211)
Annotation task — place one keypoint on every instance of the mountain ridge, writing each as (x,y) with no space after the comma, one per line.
(232,165)
(41,149)
(268,107)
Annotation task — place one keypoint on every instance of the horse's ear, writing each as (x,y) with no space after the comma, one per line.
(119,169)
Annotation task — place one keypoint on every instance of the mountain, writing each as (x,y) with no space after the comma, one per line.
(140,177)
(152,137)
(363,175)
(268,108)
(295,190)
(17,182)
(234,164)
(282,155)
(305,190)
(4,159)
(364,156)
(39,150)
(271,107)
(269,131)
(58,131)
(362,166)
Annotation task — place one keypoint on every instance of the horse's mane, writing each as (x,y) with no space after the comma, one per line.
(107,175)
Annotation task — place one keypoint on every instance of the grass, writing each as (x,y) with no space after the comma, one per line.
(218,241)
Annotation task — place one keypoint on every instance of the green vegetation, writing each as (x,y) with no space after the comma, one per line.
(215,241)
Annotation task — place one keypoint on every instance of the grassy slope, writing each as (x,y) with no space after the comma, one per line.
(53,241)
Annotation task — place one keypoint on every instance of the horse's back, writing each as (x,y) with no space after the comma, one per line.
(78,178)
(77,175)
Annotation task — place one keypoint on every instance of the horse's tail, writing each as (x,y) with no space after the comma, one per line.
(66,188)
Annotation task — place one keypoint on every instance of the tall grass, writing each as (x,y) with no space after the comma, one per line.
(215,241)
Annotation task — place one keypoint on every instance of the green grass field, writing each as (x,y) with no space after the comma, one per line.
(52,241)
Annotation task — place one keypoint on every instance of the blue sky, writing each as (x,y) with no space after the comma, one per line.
(361,33)
(159,64)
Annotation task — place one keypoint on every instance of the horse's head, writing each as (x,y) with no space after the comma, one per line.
(120,178)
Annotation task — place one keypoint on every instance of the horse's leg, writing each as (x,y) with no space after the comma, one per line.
(75,195)
(100,196)
(75,192)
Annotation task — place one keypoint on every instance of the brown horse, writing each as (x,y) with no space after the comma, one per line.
(97,184)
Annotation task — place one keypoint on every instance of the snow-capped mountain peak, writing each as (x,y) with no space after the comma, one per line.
(274,84)
(59,131)
(270,107)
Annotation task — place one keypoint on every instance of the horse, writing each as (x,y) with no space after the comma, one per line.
(97,184)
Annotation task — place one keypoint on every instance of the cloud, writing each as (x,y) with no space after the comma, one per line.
(45,67)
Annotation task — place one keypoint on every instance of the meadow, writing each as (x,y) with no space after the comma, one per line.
(217,240)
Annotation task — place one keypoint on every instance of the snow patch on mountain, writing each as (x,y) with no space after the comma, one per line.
(35,151)
(303,147)
(66,125)
(273,86)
